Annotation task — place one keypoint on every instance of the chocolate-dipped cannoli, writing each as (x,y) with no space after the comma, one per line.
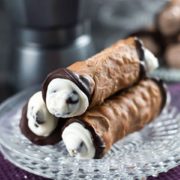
(168,19)
(37,124)
(69,92)
(171,56)
(92,134)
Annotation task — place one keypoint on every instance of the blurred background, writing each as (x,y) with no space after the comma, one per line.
(37,36)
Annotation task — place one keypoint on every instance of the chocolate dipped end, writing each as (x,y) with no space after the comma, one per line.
(148,62)
(97,140)
(140,51)
(64,73)
(53,138)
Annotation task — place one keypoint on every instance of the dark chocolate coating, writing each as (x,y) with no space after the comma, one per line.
(140,51)
(97,141)
(139,47)
(66,74)
(53,138)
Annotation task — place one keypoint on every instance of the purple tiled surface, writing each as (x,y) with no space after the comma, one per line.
(10,172)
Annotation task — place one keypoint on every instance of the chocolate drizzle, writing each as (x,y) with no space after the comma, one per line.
(66,74)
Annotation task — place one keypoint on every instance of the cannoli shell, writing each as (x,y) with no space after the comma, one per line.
(123,113)
(111,70)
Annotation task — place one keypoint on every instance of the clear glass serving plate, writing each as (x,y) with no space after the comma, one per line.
(153,150)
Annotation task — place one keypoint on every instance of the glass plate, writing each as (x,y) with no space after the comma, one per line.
(153,150)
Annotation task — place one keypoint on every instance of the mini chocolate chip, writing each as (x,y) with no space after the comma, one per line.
(36,125)
(70,99)
(67,113)
(39,121)
(54,91)
(74,92)
(39,118)
(81,146)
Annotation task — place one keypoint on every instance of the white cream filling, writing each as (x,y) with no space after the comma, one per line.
(78,141)
(40,121)
(65,99)
(150,61)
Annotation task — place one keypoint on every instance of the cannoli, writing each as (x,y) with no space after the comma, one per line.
(168,19)
(172,57)
(37,124)
(92,134)
(69,92)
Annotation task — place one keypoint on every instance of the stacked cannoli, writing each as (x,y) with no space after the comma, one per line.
(163,39)
(94,103)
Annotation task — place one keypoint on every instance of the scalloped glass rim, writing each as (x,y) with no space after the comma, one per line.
(153,150)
